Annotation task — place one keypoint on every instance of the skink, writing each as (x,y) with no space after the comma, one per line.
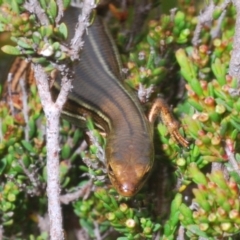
(100,93)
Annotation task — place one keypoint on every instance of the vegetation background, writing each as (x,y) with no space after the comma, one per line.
(193,192)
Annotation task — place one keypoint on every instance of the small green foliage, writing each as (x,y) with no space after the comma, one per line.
(126,220)
(216,208)
(22,163)
(147,63)
(11,50)
(208,114)
(52,10)
(63,30)
(171,225)
(32,39)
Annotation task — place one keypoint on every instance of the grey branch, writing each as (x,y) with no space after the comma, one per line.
(33,6)
(10,101)
(53,110)
(52,113)
(80,193)
(181,233)
(232,160)
(206,17)
(100,151)
(25,108)
(82,25)
(43,223)
(30,176)
(217,30)
(42,84)
(66,85)
(60,11)
(1,232)
(144,93)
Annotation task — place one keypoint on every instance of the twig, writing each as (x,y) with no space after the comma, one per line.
(66,85)
(1,232)
(60,11)
(43,223)
(224,5)
(217,30)
(80,193)
(232,160)
(97,232)
(33,6)
(156,236)
(82,147)
(222,8)
(52,112)
(9,80)
(83,23)
(25,108)
(216,166)
(81,234)
(107,233)
(181,233)
(29,174)
(173,13)
(144,93)
(206,17)
(100,153)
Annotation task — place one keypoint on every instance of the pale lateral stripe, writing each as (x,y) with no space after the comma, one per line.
(81,118)
(110,74)
(86,106)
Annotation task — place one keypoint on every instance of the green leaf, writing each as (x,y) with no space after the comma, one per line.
(177,201)
(66,3)
(15,6)
(76,136)
(3,164)
(43,4)
(63,30)
(27,145)
(52,9)
(219,69)
(23,44)
(195,229)
(66,151)
(11,50)
(32,127)
(122,238)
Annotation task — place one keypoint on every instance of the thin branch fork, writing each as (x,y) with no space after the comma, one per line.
(82,25)
(206,17)
(33,6)
(53,110)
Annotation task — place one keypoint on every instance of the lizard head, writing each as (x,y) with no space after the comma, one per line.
(129,165)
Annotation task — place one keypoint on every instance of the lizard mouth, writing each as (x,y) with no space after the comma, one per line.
(125,189)
(128,189)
